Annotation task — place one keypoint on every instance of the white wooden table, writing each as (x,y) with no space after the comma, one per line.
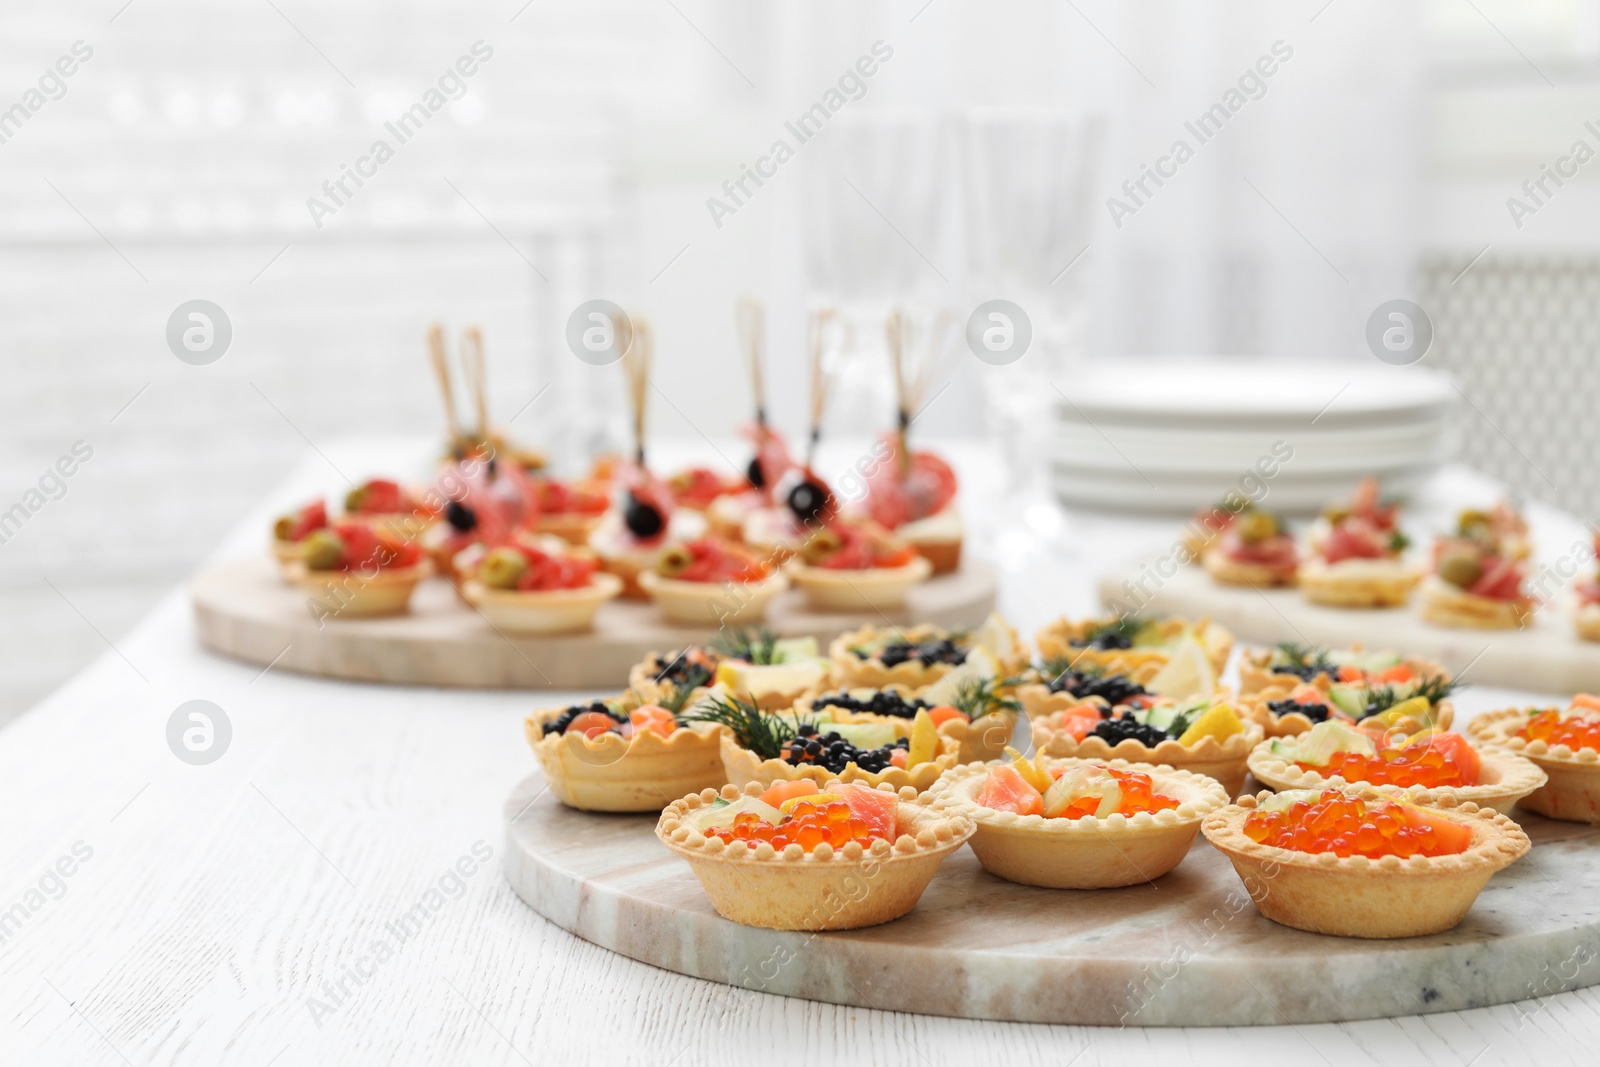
(207,905)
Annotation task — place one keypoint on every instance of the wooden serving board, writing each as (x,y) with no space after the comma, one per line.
(245,610)
(1187,950)
(1545,656)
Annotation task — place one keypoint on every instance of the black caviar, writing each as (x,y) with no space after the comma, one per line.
(833,753)
(559,724)
(940,650)
(1314,712)
(1126,726)
(1113,688)
(680,672)
(881,702)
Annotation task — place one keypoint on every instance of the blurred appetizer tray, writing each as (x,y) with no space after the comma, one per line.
(245,611)
(1545,656)
(1186,950)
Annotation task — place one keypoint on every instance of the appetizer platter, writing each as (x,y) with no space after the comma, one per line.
(492,571)
(1470,599)
(915,819)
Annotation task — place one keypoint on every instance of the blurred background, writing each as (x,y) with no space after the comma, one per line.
(581,158)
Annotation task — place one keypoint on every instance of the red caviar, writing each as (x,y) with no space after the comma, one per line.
(1579,731)
(1137,795)
(1422,763)
(831,822)
(1349,826)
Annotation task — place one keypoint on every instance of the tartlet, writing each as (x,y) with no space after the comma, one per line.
(1123,644)
(291,530)
(1288,664)
(823,889)
(539,585)
(1356,558)
(916,656)
(1354,896)
(1087,852)
(1503,779)
(1222,758)
(570,511)
(350,570)
(1572,791)
(709,581)
(1256,549)
(1044,691)
(977,719)
(1478,573)
(610,772)
(856,566)
(742,765)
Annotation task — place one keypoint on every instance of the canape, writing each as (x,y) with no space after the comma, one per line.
(1207,737)
(696,488)
(920,655)
(1287,663)
(289,531)
(838,858)
(761,747)
(388,506)
(1478,574)
(1356,557)
(616,755)
(1201,530)
(569,510)
(1564,743)
(974,713)
(771,670)
(1256,549)
(1054,687)
(1078,823)
(771,461)
(1428,765)
(1124,643)
(845,567)
(633,539)
(708,580)
(1357,863)
(539,585)
(352,570)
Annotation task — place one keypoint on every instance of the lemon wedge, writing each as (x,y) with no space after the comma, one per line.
(1221,722)
(979,665)
(1188,675)
(924,740)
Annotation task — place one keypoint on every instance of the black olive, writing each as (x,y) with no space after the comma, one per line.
(460,517)
(810,501)
(643,518)
(755,475)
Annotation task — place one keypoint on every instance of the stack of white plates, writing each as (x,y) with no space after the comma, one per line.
(1171,436)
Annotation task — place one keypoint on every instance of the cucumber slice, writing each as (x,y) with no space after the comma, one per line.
(1162,716)
(1348,699)
(716,817)
(794,649)
(865,735)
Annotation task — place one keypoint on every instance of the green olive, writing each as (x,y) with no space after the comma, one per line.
(674,561)
(283,528)
(354,499)
(1254,526)
(321,550)
(822,544)
(502,568)
(1475,524)
(1460,568)
(1335,514)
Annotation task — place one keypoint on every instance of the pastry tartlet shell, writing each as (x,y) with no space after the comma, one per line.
(644,772)
(1054,642)
(1294,724)
(551,611)
(1358,583)
(743,767)
(1354,896)
(1089,853)
(824,889)
(857,590)
(1229,571)
(1572,793)
(1446,605)
(871,673)
(1512,779)
(712,604)
(387,592)
(1223,760)
(1255,675)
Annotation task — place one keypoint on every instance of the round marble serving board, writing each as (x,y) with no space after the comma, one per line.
(1186,950)
(244,610)
(1545,656)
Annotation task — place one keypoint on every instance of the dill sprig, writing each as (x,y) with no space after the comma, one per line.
(752,646)
(676,697)
(978,697)
(1307,656)
(765,735)
(1381,698)
(1056,666)
(1123,626)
